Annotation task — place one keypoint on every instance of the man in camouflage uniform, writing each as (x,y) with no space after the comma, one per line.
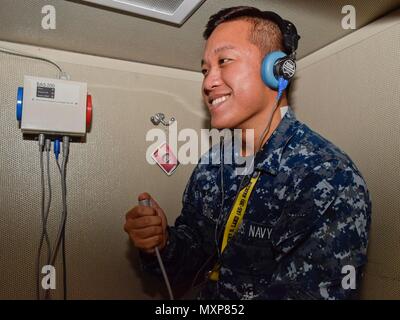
(307,217)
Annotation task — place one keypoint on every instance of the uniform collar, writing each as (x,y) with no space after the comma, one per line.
(269,157)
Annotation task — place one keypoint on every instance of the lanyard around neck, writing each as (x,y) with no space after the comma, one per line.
(235,219)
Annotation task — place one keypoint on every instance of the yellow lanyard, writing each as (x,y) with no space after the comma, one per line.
(235,219)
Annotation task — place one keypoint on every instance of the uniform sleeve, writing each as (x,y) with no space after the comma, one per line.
(183,254)
(322,252)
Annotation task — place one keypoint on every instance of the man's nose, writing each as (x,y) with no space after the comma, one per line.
(212,80)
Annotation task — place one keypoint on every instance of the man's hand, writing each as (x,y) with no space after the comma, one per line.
(147,226)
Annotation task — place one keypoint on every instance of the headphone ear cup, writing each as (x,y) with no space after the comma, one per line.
(267,69)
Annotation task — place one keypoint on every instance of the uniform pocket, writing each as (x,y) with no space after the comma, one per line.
(250,251)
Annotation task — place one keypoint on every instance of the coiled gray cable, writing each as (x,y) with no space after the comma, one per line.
(60,239)
(146,203)
(43,144)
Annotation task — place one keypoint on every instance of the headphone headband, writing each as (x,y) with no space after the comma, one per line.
(288,29)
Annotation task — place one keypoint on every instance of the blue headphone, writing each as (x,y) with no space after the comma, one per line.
(279,67)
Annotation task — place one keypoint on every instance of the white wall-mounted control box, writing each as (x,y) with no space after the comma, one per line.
(54,106)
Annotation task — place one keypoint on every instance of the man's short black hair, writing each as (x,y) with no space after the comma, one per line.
(265,34)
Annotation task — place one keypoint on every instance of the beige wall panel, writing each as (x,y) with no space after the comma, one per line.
(105,174)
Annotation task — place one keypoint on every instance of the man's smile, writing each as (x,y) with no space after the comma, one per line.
(218,101)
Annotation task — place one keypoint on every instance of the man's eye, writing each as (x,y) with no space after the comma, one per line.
(224,60)
(204,71)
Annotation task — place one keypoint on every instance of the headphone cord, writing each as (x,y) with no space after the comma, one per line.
(281,87)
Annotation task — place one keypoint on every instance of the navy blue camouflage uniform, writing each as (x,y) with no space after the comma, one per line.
(307,218)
